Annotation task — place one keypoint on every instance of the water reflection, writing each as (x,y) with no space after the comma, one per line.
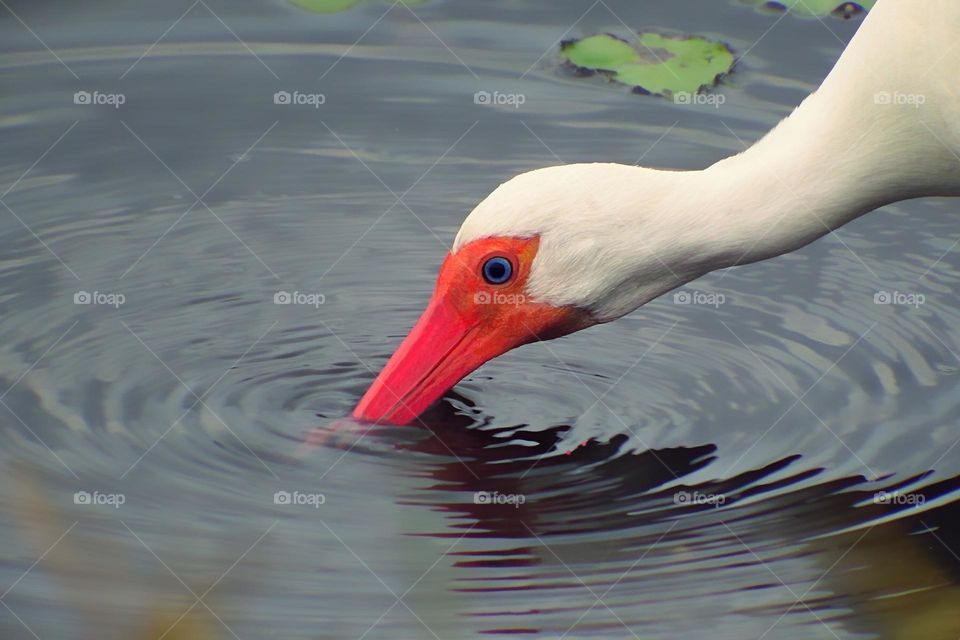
(534,535)
(781,546)
(561,522)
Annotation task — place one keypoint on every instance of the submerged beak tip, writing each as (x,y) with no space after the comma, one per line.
(468,321)
(428,362)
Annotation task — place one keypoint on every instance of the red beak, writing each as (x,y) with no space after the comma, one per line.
(466,323)
(437,353)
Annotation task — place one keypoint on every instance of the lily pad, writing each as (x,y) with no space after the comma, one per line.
(336,6)
(326,6)
(654,63)
(810,8)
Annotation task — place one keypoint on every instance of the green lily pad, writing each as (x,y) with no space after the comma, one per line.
(654,63)
(326,6)
(810,8)
(335,6)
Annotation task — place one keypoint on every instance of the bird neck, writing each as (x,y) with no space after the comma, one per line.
(807,177)
(878,130)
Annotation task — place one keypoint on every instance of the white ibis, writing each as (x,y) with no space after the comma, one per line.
(556,250)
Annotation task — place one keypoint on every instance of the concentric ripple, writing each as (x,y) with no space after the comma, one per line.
(198,286)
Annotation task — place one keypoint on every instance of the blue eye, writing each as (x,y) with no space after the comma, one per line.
(497,270)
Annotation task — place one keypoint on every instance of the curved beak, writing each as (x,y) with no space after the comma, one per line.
(463,326)
(442,348)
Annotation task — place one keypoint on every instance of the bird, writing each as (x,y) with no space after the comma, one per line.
(559,249)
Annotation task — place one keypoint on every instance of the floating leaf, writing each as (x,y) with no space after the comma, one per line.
(809,8)
(599,52)
(325,6)
(655,63)
(336,6)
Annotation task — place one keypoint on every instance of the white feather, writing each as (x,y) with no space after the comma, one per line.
(616,236)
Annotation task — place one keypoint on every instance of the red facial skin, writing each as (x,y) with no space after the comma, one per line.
(466,323)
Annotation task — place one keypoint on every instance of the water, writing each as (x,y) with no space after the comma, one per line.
(689,471)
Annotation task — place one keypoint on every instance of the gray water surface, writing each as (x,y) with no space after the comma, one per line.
(690,471)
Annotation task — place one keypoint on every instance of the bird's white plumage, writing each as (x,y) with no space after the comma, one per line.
(613,237)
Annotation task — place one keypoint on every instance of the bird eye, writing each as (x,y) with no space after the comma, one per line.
(497,270)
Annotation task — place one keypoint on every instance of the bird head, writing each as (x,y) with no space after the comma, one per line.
(549,252)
